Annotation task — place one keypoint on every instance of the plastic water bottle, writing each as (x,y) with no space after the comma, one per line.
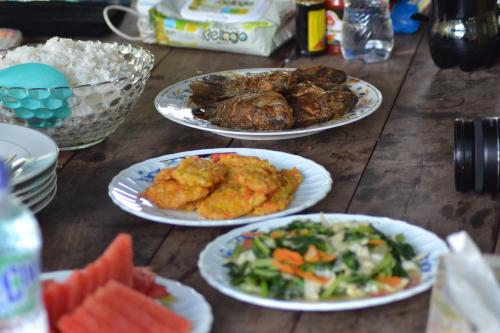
(21,306)
(367,32)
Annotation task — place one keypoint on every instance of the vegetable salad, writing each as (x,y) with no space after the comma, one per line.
(315,261)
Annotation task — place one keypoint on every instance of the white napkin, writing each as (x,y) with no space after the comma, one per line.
(471,285)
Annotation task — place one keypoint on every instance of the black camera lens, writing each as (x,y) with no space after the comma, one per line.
(464,155)
(477,155)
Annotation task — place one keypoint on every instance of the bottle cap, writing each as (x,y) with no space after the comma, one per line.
(4,176)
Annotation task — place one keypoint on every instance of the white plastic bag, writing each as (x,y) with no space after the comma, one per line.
(466,295)
(165,25)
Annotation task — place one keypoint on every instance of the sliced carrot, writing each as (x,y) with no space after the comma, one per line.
(247,243)
(284,267)
(392,281)
(253,233)
(277,234)
(314,255)
(311,277)
(288,256)
(325,257)
(376,242)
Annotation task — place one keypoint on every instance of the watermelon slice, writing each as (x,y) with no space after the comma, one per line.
(162,315)
(144,282)
(136,318)
(118,308)
(116,263)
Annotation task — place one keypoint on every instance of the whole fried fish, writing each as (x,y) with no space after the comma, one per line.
(321,76)
(215,87)
(266,110)
(312,104)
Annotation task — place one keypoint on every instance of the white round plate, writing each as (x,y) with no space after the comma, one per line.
(42,188)
(30,185)
(189,303)
(173,103)
(45,202)
(35,200)
(126,187)
(27,143)
(215,255)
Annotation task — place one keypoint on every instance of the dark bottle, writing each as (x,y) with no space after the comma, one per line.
(463,33)
(310,19)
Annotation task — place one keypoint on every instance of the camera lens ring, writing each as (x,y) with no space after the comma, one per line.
(469,153)
(464,154)
(490,154)
(458,155)
(498,153)
(478,156)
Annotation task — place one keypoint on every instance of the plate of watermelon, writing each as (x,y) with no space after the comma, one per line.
(111,295)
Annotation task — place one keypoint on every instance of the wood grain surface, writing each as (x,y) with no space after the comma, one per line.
(396,163)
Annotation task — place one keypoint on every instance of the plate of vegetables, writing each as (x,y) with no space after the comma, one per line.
(323,262)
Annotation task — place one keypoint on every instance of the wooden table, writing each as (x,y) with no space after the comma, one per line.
(396,163)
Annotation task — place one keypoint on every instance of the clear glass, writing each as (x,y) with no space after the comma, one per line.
(96,110)
(367,32)
(21,305)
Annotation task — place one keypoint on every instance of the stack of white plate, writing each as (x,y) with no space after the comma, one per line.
(35,183)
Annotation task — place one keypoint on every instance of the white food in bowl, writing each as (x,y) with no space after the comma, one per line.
(83,62)
(107,79)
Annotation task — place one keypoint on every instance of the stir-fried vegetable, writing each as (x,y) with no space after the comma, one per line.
(306,260)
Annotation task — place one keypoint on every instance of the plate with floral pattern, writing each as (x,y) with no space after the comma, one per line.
(173,103)
(125,189)
(428,248)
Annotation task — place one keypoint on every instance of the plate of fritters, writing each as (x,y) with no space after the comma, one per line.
(269,103)
(220,187)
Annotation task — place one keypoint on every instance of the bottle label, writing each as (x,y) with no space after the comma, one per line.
(19,285)
(316,30)
(333,28)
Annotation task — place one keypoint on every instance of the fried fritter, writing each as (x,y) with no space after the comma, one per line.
(252,172)
(164,174)
(170,194)
(230,200)
(227,186)
(281,198)
(290,179)
(236,160)
(195,171)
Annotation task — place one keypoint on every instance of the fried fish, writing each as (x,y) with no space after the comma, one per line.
(267,110)
(312,104)
(213,88)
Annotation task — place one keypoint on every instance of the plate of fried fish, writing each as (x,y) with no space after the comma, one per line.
(220,187)
(269,103)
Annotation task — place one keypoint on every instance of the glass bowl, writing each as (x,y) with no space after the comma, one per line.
(96,109)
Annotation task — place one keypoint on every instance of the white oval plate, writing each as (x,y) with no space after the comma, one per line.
(45,202)
(28,143)
(28,186)
(42,188)
(125,188)
(46,192)
(215,255)
(173,103)
(189,303)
